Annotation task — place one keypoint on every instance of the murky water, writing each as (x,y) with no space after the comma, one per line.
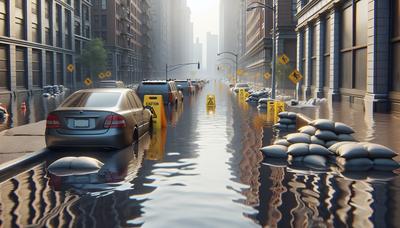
(205,170)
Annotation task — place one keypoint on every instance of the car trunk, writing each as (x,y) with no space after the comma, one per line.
(82,122)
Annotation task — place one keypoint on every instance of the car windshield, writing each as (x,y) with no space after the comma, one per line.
(153,88)
(241,85)
(92,100)
(182,84)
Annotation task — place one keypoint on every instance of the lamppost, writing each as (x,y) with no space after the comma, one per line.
(175,67)
(255,5)
(236,61)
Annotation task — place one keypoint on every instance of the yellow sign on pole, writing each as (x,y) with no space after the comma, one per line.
(70,68)
(242,93)
(108,74)
(211,101)
(101,75)
(283,59)
(246,95)
(156,105)
(240,72)
(271,106)
(279,107)
(267,75)
(295,76)
(88,81)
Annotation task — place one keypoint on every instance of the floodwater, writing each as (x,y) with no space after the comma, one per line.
(204,170)
(27,108)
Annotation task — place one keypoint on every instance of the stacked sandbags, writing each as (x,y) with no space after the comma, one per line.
(287,121)
(327,132)
(353,156)
(263,103)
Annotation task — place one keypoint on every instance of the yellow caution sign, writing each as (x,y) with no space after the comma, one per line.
(295,76)
(240,72)
(108,74)
(156,105)
(102,75)
(270,106)
(267,75)
(156,149)
(242,93)
(88,81)
(70,68)
(246,95)
(279,107)
(211,101)
(283,59)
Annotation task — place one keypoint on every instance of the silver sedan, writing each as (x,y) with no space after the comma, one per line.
(100,118)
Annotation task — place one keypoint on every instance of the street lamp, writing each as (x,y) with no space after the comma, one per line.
(175,67)
(255,5)
(236,61)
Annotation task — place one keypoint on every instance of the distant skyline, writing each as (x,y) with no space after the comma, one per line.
(205,18)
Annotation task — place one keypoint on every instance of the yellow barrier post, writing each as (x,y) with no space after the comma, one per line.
(279,107)
(241,93)
(157,105)
(210,102)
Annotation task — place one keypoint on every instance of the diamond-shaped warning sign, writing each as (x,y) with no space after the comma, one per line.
(283,59)
(295,76)
(88,81)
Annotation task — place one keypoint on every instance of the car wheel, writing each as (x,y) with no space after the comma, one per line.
(135,136)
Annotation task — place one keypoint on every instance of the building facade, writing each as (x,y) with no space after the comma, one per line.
(124,27)
(198,52)
(212,51)
(229,22)
(37,42)
(350,50)
(257,35)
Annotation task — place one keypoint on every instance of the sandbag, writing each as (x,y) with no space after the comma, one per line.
(286,121)
(275,162)
(275,151)
(324,124)
(315,161)
(281,126)
(315,149)
(345,137)
(336,146)
(341,128)
(309,130)
(282,142)
(379,151)
(262,106)
(326,135)
(330,143)
(263,101)
(298,149)
(385,164)
(291,127)
(292,115)
(350,151)
(74,166)
(298,138)
(283,114)
(315,140)
(355,164)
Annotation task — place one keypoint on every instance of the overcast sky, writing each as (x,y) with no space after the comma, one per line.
(205,17)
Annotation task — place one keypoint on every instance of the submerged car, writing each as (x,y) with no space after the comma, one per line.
(99,118)
(167,89)
(111,84)
(185,86)
(244,86)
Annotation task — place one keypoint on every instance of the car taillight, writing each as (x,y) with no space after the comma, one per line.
(114,121)
(53,121)
(170,97)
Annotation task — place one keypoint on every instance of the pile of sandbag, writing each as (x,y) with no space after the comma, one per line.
(255,96)
(263,103)
(364,156)
(327,132)
(287,121)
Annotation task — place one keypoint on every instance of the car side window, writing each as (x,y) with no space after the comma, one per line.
(137,100)
(132,100)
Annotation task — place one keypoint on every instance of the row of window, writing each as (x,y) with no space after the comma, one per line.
(37,71)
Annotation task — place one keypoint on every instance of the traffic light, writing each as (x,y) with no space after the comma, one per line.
(198,65)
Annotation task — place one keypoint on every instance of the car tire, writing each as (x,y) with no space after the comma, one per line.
(135,135)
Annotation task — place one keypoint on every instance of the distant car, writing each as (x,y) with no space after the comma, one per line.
(110,84)
(167,89)
(105,118)
(244,86)
(185,86)
(196,84)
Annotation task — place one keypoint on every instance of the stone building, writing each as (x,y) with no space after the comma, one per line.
(350,51)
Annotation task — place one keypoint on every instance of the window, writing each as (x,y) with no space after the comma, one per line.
(314,38)
(20,67)
(77,46)
(49,68)
(19,4)
(77,8)
(19,31)
(396,46)
(59,68)
(3,67)
(103,20)
(327,49)
(3,13)
(58,27)
(103,4)
(36,68)
(67,32)
(35,33)
(93,100)
(47,34)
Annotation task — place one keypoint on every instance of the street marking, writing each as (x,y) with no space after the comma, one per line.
(295,76)
(283,59)
(211,100)
(88,81)
(157,107)
(70,68)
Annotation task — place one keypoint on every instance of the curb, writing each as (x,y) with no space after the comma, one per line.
(26,159)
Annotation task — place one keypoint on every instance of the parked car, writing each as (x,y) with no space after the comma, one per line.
(167,89)
(185,86)
(110,84)
(196,84)
(238,86)
(105,118)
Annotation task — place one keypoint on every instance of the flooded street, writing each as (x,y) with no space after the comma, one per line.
(204,170)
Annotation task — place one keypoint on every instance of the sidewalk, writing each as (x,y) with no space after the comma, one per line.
(20,141)
(372,127)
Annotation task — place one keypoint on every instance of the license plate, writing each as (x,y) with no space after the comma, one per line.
(81,123)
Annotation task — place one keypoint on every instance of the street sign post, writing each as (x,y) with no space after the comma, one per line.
(88,81)
(295,76)
(70,68)
(267,75)
(101,75)
(108,74)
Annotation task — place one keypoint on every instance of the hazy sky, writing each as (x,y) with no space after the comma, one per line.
(205,17)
